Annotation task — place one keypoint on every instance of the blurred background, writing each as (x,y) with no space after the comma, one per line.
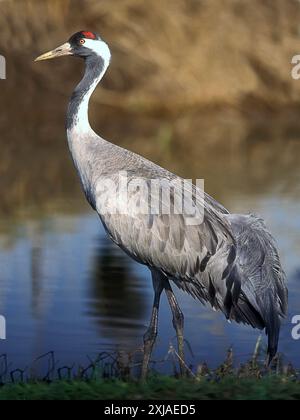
(203,88)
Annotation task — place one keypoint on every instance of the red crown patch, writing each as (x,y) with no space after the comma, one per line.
(89,35)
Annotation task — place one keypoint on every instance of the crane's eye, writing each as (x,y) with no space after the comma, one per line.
(82,41)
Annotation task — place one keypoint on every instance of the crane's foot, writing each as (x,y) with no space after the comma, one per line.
(151,334)
(149,341)
(178,323)
(180,341)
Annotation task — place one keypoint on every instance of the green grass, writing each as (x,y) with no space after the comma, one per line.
(158,387)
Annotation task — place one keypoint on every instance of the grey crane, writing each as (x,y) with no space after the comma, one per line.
(229,261)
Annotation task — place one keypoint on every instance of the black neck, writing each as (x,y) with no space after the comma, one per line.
(78,107)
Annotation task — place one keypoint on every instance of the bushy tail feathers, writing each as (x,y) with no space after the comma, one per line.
(273,324)
(264,297)
(275,298)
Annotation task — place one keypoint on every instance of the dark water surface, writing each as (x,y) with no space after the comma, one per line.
(65,287)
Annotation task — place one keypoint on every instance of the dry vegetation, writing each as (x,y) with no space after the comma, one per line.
(176,53)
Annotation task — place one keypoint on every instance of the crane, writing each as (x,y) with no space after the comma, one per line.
(229,261)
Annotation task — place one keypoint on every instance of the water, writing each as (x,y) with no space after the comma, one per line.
(64,287)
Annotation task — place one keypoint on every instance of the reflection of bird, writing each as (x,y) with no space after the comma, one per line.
(227,260)
(112,279)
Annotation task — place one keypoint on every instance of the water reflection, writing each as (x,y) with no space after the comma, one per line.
(37,276)
(66,287)
(117,294)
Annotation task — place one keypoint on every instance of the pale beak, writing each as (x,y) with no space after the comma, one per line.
(61,51)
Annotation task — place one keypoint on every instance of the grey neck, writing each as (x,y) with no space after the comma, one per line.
(77,116)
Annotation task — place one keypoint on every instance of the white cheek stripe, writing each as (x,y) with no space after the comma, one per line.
(100,48)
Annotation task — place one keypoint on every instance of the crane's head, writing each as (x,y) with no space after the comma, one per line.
(83,44)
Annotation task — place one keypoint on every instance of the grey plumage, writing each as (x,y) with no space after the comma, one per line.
(229,261)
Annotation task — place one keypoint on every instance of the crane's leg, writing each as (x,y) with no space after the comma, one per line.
(151,333)
(178,323)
